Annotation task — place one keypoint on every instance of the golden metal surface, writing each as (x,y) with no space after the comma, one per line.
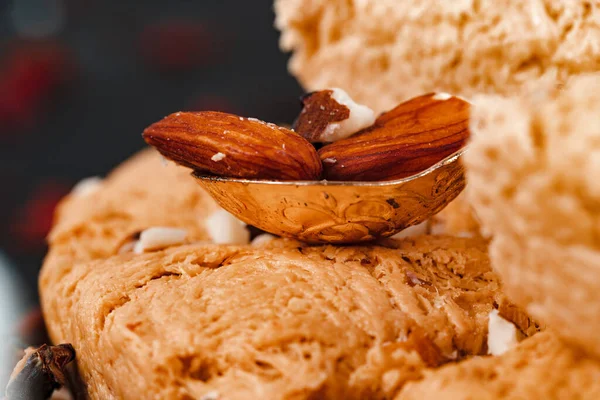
(339,212)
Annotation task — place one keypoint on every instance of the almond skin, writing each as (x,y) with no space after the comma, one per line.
(402,142)
(227,145)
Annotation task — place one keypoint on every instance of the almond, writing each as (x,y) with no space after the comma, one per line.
(402,142)
(331,115)
(227,145)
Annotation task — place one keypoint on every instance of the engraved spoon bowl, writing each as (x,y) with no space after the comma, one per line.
(339,212)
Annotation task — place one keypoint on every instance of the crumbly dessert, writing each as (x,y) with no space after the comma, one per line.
(278,322)
(533,180)
(541,367)
(457,219)
(277,319)
(385,51)
(144,192)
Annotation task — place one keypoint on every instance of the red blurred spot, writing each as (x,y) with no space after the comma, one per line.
(31,329)
(177,45)
(29,74)
(33,221)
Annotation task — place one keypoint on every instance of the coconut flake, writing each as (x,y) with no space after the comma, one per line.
(157,238)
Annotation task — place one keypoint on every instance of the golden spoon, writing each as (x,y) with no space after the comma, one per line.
(339,212)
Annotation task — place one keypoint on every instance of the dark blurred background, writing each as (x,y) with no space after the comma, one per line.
(80,79)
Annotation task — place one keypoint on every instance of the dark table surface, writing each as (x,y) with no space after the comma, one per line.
(80,79)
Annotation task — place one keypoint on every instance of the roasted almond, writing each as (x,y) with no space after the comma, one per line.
(331,115)
(227,145)
(402,142)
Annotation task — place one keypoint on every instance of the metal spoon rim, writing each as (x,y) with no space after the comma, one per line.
(450,159)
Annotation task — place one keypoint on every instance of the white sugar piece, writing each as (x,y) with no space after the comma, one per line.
(224,228)
(157,238)
(330,160)
(502,334)
(218,157)
(87,186)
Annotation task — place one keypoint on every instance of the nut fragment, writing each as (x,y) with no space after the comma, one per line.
(218,157)
(40,372)
(331,115)
(519,317)
(224,228)
(502,335)
(87,186)
(127,244)
(404,141)
(227,145)
(413,279)
(262,239)
(415,230)
(157,238)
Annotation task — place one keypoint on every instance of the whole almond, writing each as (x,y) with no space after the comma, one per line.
(402,142)
(227,145)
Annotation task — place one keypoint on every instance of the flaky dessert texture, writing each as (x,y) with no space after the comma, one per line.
(385,51)
(143,192)
(278,322)
(533,180)
(90,226)
(457,219)
(541,367)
